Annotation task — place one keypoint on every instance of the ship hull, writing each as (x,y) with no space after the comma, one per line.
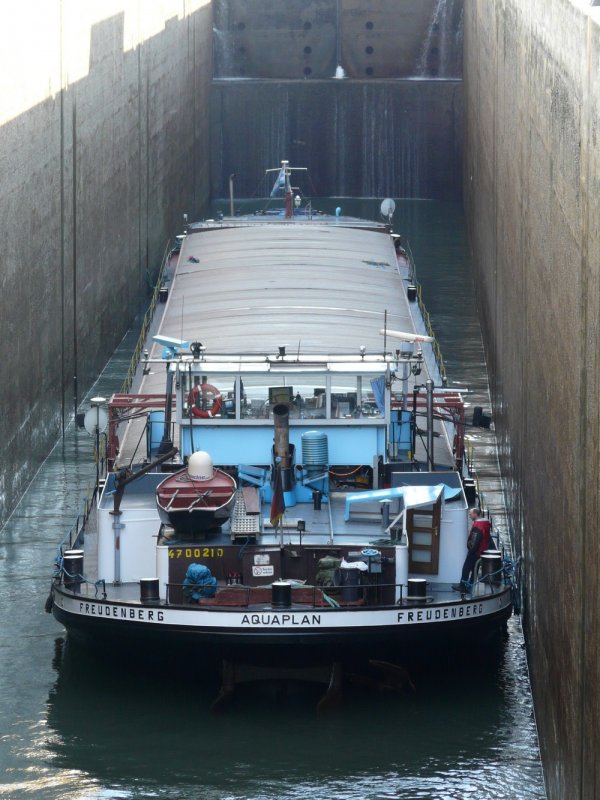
(295,635)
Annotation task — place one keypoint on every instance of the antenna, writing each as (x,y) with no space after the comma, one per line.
(182,307)
(192,446)
(387,208)
(404,336)
(384,332)
(298,353)
(171,345)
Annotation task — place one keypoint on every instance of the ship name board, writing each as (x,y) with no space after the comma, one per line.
(121,612)
(338,618)
(281,619)
(434,614)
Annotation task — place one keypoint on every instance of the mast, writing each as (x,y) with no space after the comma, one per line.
(430,459)
(289,210)
(284,184)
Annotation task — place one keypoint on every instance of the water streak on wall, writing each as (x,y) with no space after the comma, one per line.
(357,138)
(441,55)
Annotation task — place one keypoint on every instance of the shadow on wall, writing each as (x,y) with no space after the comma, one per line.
(95,179)
(310,38)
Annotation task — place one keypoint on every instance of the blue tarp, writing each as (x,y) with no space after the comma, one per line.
(199,582)
(278,189)
(412,496)
(378,386)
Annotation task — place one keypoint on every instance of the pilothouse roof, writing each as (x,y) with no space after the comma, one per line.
(251,288)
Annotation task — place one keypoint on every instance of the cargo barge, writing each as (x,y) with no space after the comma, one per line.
(288,480)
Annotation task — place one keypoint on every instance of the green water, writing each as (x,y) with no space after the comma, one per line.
(74,728)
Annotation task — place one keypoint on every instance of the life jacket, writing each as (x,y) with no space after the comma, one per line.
(485,527)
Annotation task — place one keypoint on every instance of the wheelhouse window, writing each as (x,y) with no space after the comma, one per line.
(303,393)
(206,396)
(357,396)
(309,395)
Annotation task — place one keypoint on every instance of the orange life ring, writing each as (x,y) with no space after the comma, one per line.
(205,388)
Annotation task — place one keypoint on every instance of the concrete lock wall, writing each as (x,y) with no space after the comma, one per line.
(103,146)
(532,193)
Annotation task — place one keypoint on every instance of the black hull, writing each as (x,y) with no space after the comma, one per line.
(408,643)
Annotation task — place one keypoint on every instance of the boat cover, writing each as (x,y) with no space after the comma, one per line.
(411,496)
(199,582)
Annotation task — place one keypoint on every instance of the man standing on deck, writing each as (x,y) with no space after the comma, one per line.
(480,539)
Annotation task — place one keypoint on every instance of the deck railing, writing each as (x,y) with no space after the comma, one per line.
(76,529)
(146,322)
(312,597)
(426,317)
(316,597)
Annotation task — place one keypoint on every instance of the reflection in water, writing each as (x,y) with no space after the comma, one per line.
(113,730)
(156,733)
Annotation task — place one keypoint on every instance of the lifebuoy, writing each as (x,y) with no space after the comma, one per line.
(197,391)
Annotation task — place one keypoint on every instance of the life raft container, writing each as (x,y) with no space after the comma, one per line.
(195,395)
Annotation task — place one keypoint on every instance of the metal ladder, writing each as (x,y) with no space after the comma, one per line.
(243,525)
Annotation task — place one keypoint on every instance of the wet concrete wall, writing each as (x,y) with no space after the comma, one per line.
(532,192)
(103,146)
(309,38)
(358,138)
(392,126)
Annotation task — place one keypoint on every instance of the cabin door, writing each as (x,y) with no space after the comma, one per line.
(423,529)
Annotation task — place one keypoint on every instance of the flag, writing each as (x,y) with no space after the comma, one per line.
(277,502)
(278,189)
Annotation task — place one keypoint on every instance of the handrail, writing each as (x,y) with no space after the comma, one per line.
(245,599)
(437,352)
(79,523)
(137,353)
(505,579)
(329,601)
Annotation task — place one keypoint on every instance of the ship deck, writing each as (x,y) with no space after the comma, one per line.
(248,286)
(337,522)
(329,529)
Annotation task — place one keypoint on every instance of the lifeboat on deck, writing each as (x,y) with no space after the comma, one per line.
(198,498)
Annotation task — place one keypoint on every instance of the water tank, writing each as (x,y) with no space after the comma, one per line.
(315,455)
(154,435)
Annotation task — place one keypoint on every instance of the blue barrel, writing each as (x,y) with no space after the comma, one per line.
(315,455)
(156,428)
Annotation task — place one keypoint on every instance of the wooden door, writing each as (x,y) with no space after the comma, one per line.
(423,529)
